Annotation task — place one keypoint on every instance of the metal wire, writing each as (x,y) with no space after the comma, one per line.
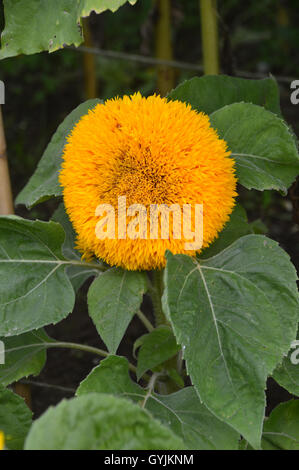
(46,385)
(116,55)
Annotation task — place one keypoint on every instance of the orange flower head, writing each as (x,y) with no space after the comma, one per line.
(150,152)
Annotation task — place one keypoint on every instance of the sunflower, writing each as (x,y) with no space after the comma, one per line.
(149,152)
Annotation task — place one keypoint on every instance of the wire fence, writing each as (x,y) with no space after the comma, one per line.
(116,55)
(46,385)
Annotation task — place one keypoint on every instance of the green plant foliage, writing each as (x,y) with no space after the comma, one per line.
(287,373)
(100,422)
(281,429)
(235,316)
(261,144)
(77,274)
(24,355)
(113,299)
(34,289)
(155,348)
(15,419)
(212,92)
(181,411)
(187,416)
(258,226)
(269,162)
(47,26)
(230,315)
(111,376)
(236,227)
(44,183)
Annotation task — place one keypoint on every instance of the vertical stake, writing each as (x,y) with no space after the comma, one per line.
(209,35)
(165,79)
(89,63)
(6,208)
(6,201)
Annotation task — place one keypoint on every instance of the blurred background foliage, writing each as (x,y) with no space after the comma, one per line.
(258,38)
(255,39)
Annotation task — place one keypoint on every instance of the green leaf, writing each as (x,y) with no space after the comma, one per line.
(100,422)
(24,355)
(235,315)
(281,429)
(77,274)
(68,247)
(156,348)
(212,92)
(181,411)
(287,373)
(15,419)
(87,6)
(110,376)
(235,228)
(44,182)
(189,418)
(34,289)
(258,226)
(113,299)
(261,144)
(47,26)
(176,377)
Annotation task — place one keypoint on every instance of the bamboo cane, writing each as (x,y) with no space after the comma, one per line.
(166,77)
(89,64)
(209,34)
(6,201)
(6,208)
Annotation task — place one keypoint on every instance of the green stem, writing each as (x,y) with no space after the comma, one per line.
(209,34)
(179,363)
(145,321)
(156,291)
(151,387)
(80,347)
(155,288)
(90,349)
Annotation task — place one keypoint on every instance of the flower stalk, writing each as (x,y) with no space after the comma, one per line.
(156,292)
